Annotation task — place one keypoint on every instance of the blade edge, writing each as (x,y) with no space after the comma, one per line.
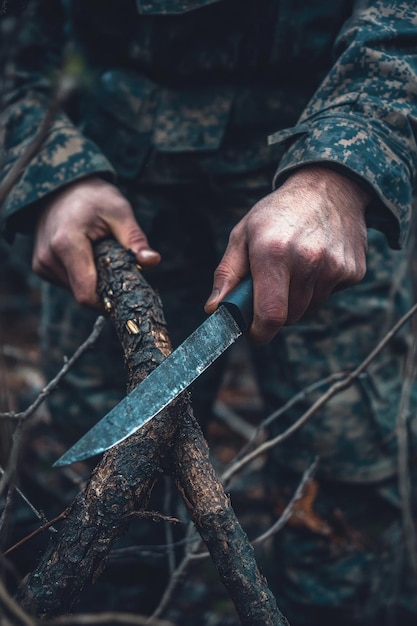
(219,331)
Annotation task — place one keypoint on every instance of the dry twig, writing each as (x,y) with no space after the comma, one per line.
(336,388)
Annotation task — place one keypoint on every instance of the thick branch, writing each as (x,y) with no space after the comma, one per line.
(123,480)
(216,522)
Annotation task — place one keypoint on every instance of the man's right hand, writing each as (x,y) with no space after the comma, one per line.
(84,212)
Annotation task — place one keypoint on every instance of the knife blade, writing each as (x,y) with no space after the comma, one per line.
(165,383)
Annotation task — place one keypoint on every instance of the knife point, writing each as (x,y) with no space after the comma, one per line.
(65,459)
(58,463)
(61,462)
(159,388)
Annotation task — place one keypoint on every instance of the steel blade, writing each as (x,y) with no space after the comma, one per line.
(159,388)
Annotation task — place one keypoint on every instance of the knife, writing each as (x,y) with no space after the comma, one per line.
(181,368)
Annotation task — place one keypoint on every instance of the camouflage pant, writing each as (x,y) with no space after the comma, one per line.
(320,577)
(342,558)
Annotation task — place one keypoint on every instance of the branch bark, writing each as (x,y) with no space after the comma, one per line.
(122,482)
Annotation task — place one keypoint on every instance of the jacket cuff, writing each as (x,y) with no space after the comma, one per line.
(360,152)
(65,156)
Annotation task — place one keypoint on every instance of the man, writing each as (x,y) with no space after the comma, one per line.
(164,147)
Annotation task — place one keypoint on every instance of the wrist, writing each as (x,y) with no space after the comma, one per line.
(340,185)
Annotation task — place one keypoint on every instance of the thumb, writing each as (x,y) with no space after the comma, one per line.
(129,234)
(228,274)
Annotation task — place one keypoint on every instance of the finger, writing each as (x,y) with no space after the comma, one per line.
(78,261)
(60,280)
(300,299)
(271,294)
(303,289)
(231,270)
(47,265)
(339,274)
(129,234)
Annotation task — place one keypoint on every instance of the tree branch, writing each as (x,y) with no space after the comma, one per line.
(122,482)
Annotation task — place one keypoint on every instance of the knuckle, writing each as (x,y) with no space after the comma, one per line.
(37,265)
(136,237)
(82,299)
(84,290)
(60,242)
(41,260)
(79,295)
(118,200)
(337,271)
(120,205)
(82,296)
(235,237)
(270,253)
(360,269)
(222,273)
(263,330)
(354,271)
(272,318)
(313,257)
(275,250)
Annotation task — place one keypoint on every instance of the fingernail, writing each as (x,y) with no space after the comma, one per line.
(149,256)
(212,299)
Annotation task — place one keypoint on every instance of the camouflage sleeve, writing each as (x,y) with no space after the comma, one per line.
(33,64)
(363,116)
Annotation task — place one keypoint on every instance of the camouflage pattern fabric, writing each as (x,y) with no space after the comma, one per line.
(190,112)
(342,557)
(262,45)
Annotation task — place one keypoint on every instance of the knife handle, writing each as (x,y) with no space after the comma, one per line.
(240,303)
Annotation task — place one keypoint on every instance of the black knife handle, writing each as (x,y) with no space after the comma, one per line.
(240,303)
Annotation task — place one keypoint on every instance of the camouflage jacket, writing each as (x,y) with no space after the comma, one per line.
(331,82)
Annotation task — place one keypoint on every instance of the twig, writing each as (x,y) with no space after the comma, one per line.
(9,474)
(176,581)
(152,515)
(36,532)
(88,343)
(72,620)
(332,391)
(194,553)
(286,514)
(6,508)
(34,510)
(234,421)
(298,397)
